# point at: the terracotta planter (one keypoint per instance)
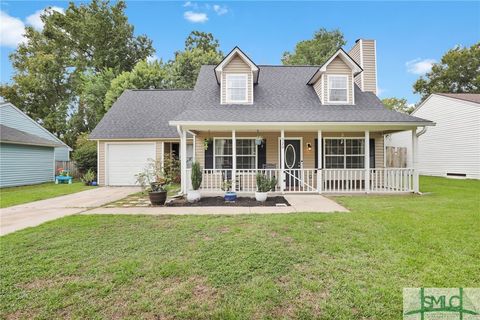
(157, 198)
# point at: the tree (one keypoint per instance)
(398, 104)
(200, 49)
(145, 75)
(317, 50)
(457, 72)
(50, 67)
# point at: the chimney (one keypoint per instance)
(364, 53)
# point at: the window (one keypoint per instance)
(344, 153)
(246, 154)
(236, 87)
(337, 88)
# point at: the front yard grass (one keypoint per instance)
(327, 266)
(24, 194)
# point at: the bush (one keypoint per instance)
(85, 156)
(88, 177)
(196, 176)
(171, 168)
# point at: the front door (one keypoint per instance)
(293, 160)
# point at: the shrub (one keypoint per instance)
(171, 168)
(88, 177)
(196, 175)
(264, 183)
(85, 155)
(153, 177)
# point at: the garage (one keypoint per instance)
(125, 160)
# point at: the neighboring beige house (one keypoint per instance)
(452, 147)
(316, 128)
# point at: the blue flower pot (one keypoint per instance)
(230, 196)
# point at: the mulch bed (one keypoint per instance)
(220, 202)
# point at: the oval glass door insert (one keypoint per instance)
(290, 156)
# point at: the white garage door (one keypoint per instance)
(124, 161)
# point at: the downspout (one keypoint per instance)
(422, 131)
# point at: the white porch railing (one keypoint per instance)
(381, 180)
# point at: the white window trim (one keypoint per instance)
(231, 155)
(227, 97)
(344, 152)
(328, 88)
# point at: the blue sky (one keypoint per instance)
(410, 35)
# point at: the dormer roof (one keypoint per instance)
(345, 58)
(237, 52)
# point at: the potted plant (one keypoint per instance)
(229, 195)
(196, 177)
(206, 142)
(259, 140)
(264, 185)
(153, 180)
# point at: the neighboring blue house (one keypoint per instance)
(27, 150)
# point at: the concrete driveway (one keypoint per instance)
(35, 213)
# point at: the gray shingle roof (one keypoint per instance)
(11, 135)
(142, 114)
(282, 95)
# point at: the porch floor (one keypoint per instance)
(298, 203)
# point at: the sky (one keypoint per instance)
(410, 35)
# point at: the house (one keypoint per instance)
(27, 150)
(315, 128)
(452, 147)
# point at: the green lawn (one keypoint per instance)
(330, 266)
(24, 194)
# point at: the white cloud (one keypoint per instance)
(11, 30)
(419, 66)
(34, 19)
(220, 10)
(195, 17)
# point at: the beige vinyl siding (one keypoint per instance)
(355, 54)
(272, 143)
(338, 67)
(369, 66)
(318, 89)
(101, 163)
(237, 66)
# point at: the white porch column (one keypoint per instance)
(319, 161)
(234, 161)
(367, 161)
(416, 186)
(162, 155)
(194, 148)
(282, 160)
(183, 161)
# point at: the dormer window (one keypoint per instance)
(338, 88)
(237, 88)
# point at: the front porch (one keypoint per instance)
(321, 161)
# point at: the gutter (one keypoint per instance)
(424, 129)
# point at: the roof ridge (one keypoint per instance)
(160, 89)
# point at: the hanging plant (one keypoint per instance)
(259, 140)
(206, 142)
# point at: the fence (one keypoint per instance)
(67, 165)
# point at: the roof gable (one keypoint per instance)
(24, 123)
(352, 64)
(236, 52)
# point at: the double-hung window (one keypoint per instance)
(236, 88)
(338, 88)
(344, 153)
(246, 154)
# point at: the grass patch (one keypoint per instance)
(24, 194)
(332, 266)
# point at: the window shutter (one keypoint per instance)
(372, 153)
(262, 155)
(209, 156)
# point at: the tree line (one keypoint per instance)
(67, 75)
